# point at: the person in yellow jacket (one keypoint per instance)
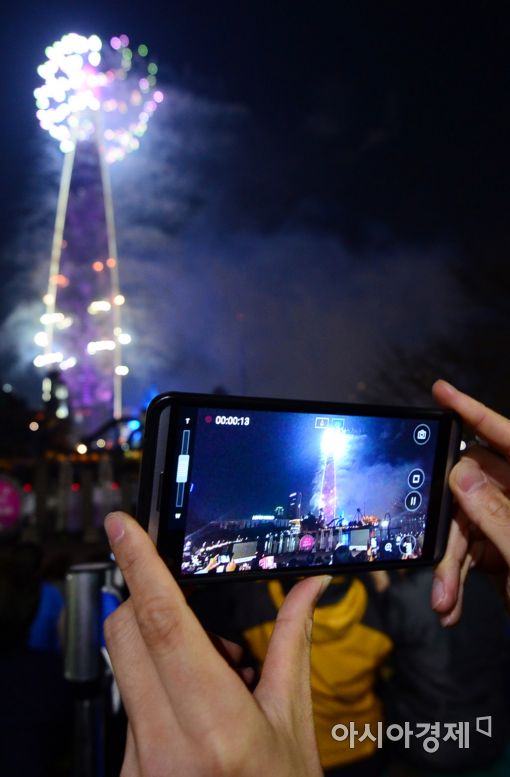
(348, 647)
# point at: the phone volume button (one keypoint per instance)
(160, 488)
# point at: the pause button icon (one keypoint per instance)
(413, 500)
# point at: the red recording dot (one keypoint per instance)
(208, 419)
(75, 486)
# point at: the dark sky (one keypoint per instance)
(419, 93)
(377, 132)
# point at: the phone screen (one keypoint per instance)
(252, 491)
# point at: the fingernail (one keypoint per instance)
(468, 476)
(438, 592)
(114, 528)
(326, 580)
(445, 620)
(448, 386)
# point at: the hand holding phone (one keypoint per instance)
(480, 530)
(175, 684)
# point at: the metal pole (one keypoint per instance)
(82, 665)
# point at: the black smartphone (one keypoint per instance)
(244, 488)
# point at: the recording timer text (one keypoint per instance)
(232, 420)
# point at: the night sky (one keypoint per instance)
(325, 188)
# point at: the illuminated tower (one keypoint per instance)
(328, 493)
(334, 443)
(96, 100)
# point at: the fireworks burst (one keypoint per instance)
(96, 91)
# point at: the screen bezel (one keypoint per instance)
(170, 541)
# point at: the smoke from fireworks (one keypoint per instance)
(227, 283)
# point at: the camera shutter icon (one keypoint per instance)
(421, 434)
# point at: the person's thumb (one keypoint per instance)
(286, 672)
(483, 503)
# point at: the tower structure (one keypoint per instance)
(96, 100)
(334, 444)
(328, 493)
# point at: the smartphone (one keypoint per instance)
(248, 488)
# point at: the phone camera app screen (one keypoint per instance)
(266, 490)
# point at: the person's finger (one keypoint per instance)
(447, 575)
(130, 764)
(142, 692)
(233, 654)
(247, 674)
(193, 674)
(483, 503)
(286, 670)
(231, 651)
(453, 616)
(486, 556)
(488, 424)
(494, 466)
